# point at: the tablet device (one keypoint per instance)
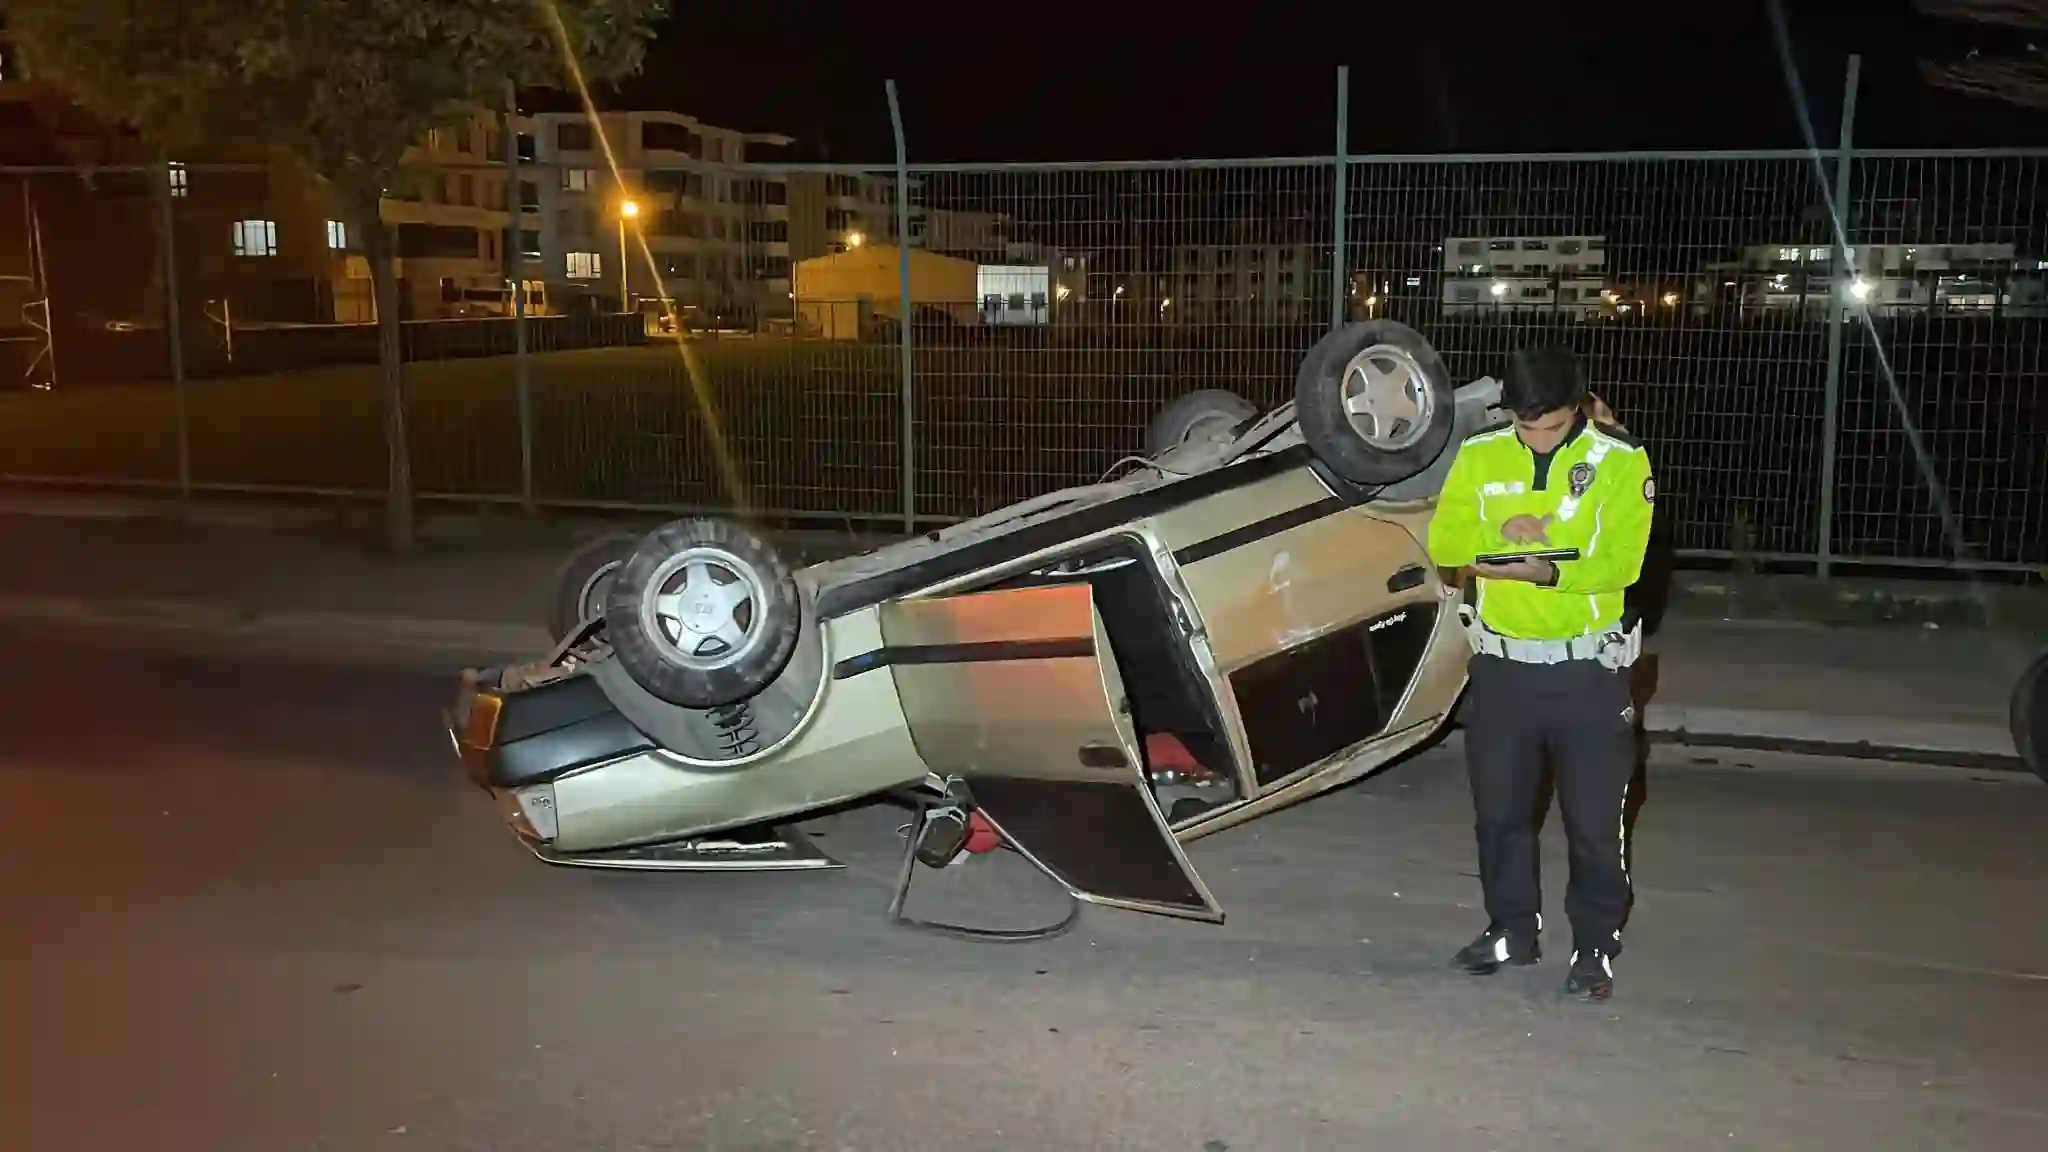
(1539, 554)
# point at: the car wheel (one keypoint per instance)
(1212, 413)
(581, 582)
(1374, 403)
(703, 614)
(2029, 708)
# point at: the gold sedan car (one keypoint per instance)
(1093, 678)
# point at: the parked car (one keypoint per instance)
(1095, 677)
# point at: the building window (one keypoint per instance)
(337, 235)
(529, 243)
(255, 237)
(467, 190)
(433, 139)
(437, 241)
(462, 138)
(526, 152)
(576, 179)
(665, 136)
(181, 179)
(529, 194)
(573, 137)
(585, 265)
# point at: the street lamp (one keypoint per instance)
(855, 239)
(628, 210)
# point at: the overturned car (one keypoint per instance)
(1093, 678)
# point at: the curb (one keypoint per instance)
(1878, 737)
(324, 635)
(465, 643)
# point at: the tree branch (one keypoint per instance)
(2016, 80)
(2000, 13)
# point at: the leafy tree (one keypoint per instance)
(2014, 68)
(343, 86)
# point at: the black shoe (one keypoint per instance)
(1592, 976)
(1495, 947)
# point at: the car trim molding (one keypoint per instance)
(843, 599)
(980, 652)
(1259, 530)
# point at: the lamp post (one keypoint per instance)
(628, 209)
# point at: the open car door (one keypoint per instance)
(1017, 693)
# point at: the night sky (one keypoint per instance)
(1091, 82)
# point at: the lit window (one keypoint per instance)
(181, 180)
(1816, 255)
(1793, 254)
(585, 265)
(337, 235)
(255, 237)
(576, 179)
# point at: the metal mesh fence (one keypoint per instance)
(751, 353)
(1642, 265)
(1101, 295)
(1944, 430)
(82, 264)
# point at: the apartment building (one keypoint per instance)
(1564, 274)
(1886, 279)
(662, 187)
(1225, 283)
(834, 212)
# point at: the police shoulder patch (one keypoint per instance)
(1617, 433)
(1649, 489)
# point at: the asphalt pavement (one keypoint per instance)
(252, 904)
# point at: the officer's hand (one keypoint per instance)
(1531, 570)
(1527, 529)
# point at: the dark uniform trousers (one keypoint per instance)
(1577, 716)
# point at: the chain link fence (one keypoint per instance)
(740, 337)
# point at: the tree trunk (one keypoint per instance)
(390, 368)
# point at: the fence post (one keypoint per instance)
(1339, 297)
(1832, 396)
(175, 330)
(903, 302)
(515, 256)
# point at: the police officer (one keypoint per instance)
(1552, 647)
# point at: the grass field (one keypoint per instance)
(1733, 420)
(809, 426)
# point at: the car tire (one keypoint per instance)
(703, 614)
(1211, 412)
(1408, 406)
(579, 587)
(2029, 714)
